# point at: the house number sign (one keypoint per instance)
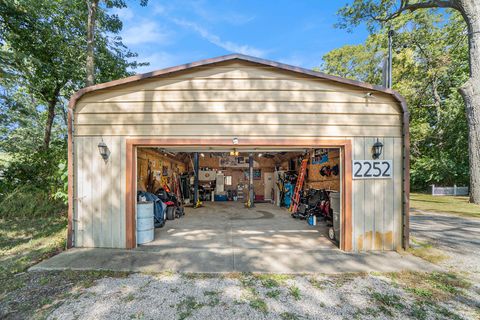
(372, 169)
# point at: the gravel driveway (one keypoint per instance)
(454, 294)
(247, 296)
(458, 237)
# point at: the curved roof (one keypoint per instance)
(231, 57)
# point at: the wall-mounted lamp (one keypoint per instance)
(377, 149)
(103, 149)
(368, 95)
(234, 152)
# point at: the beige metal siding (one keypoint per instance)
(99, 217)
(238, 130)
(235, 99)
(197, 107)
(377, 204)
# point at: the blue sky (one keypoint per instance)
(168, 33)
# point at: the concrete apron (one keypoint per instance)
(225, 237)
(236, 260)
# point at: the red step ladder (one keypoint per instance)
(299, 186)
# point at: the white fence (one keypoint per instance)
(449, 191)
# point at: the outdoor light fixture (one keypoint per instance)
(235, 140)
(377, 149)
(103, 149)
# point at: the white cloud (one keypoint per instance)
(145, 32)
(216, 40)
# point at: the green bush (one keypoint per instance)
(27, 201)
(62, 191)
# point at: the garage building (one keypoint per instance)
(236, 127)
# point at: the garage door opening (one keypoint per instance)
(251, 198)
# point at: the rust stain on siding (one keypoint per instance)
(379, 241)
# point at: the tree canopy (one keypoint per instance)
(378, 13)
(43, 53)
(430, 64)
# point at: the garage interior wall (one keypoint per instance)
(238, 175)
(233, 99)
(158, 163)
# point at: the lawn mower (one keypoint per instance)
(174, 206)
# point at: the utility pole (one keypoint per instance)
(391, 33)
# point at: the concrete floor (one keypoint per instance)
(229, 225)
(226, 237)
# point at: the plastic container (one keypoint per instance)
(334, 232)
(221, 197)
(145, 226)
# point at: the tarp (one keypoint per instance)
(158, 207)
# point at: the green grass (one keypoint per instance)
(289, 316)
(213, 297)
(388, 300)
(426, 251)
(274, 294)
(433, 286)
(444, 204)
(187, 306)
(24, 242)
(259, 304)
(294, 291)
(29, 203)
(270, 281)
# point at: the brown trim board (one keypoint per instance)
(70, 156)
(345, 145)
(240, 57)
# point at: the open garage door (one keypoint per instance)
(240, 198)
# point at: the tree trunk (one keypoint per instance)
(471, 95)
(91, 21)
(48, 126)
